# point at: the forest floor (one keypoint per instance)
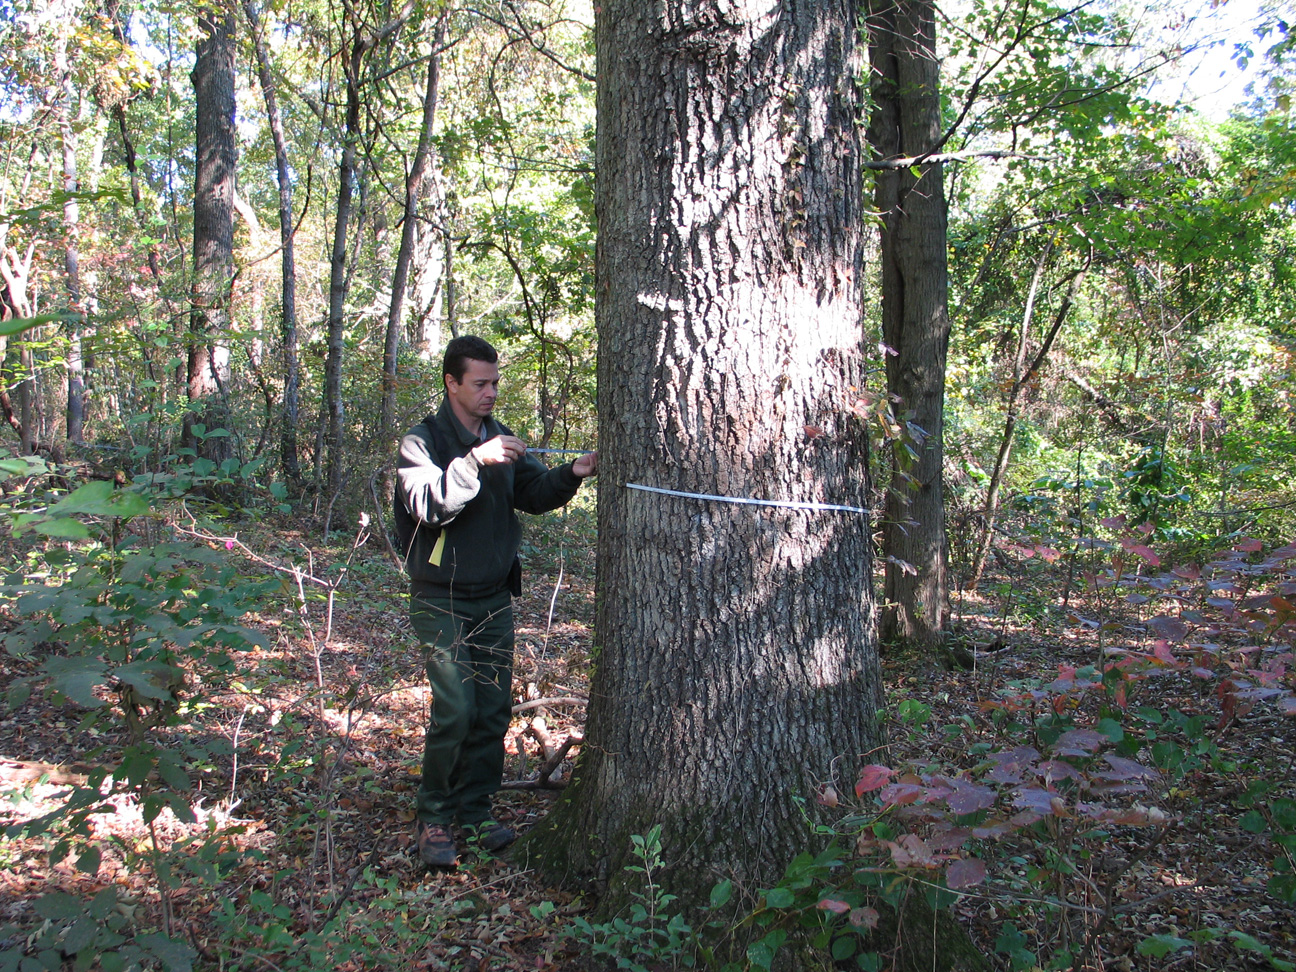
(326, 726)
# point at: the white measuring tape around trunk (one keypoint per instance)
(744, 501)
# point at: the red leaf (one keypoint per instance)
(965, 873)
(902, 794)
(1142, 550)
(872, 777)
(1164, 655)
(1250, 546)
(1171, 629)
(970, 797)
(1056, 769)
(1127, 769)
(1114, 522)
(833, 905)
(1033, 798)
(1079, 742)
(994, 828)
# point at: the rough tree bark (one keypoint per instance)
(288, 454)
(905, 123)
(737, 664)
(213, 217)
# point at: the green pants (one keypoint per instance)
(468, 652)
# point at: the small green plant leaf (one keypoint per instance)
(88, 863)
(1159, 946)
(779, 898)
(721, 893)
(1253, 822)
(151, 679)
(174, 956)
(58, 906)
(1111, 729)
(1247, 942)
(62, 528)
(76, 678)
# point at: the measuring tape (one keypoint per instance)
(711, 497)
(744, 501)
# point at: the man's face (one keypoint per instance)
(474, 398)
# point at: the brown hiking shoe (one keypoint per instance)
(436, 846)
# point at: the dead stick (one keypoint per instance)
(556, 700)
(547, 768)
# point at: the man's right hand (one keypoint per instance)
(499, 449)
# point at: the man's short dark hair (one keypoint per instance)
(461, 349)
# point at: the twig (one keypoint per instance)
(350, 886)
(913, 160)
(554, 700)
(547, 768)
(234, 768)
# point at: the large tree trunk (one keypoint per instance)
(288, 453)
(213, 251)
(737, 666)
(905, 123)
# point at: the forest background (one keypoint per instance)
(1119, 371)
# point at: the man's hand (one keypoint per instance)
(499, 450)
(586, 465)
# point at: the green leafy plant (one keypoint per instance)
(651, 936)
(118, 629)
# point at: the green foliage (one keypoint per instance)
(94, 933)
(651, 936)
(118, 629)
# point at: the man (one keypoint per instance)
(460, 476)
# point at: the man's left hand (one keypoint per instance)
(586, 465)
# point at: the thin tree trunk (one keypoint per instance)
(991, 511)
(409, 232)
(1010, 421)
(905, 123)
(16, 270)
(362, 44)
(76, 390)
(334, 406)
(288, 450)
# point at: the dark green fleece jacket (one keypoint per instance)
(472, 504)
